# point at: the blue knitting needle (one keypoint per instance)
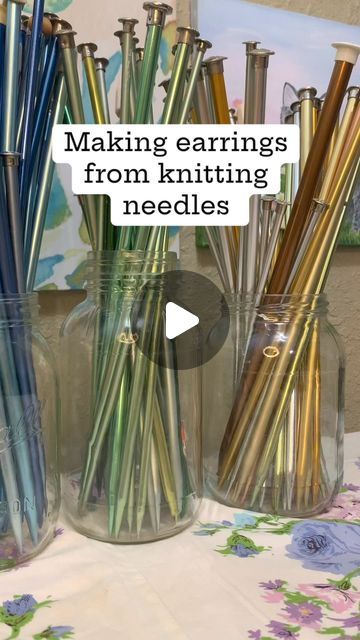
(30, 97)
(42, 107)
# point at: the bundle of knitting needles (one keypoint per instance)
(32, 100)
(135, 468)
(272, 445)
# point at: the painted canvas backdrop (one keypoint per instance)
(303, 57)
(65, 244)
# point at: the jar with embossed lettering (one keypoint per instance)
(29, 479)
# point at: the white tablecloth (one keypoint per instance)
(230, 576)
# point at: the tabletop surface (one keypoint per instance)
(231, 576)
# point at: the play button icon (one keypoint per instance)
(178, 320)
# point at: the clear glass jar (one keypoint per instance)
(29, 476)
(131, 440)
(274, 408)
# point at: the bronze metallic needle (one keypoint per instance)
(313, 269)
(306, 427)
(316, 444)
(343, 130)
(215, 71)
(334, 97)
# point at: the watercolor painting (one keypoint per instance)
(65, 242)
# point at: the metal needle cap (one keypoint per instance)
(128, 24)
(319, 206)
(215, 65)
(295, 107)
(203, 45)
(267, 203)
(280, 206)
(322, 100)
(307, 93)
(261, 57)
(187, 35)
(353, 92)
(119, 34)
(62, 28)
(66, 39)
(187, 293)
(60, 25)
(101, 63)
(51, 16)
(251, 45)
(87, 49)
(233, 116)
(157, 12)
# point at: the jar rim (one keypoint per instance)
(311, 303)
(125, 266)
(132, 256)
(272, 297)
(30, 298)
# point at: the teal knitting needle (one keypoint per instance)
(157, 12)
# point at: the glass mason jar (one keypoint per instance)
(29, 477)
(131, 441)
(274, 408)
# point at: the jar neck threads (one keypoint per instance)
(125, 271)
(279, 307)
(18, 308)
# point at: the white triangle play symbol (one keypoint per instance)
(178, 320)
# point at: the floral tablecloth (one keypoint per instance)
(232, 576)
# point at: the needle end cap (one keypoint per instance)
(87, 49)
(346, 51)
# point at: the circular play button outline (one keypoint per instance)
(190, 295)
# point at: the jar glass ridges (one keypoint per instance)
(131, 463)
(29, 479)
(274, 408)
